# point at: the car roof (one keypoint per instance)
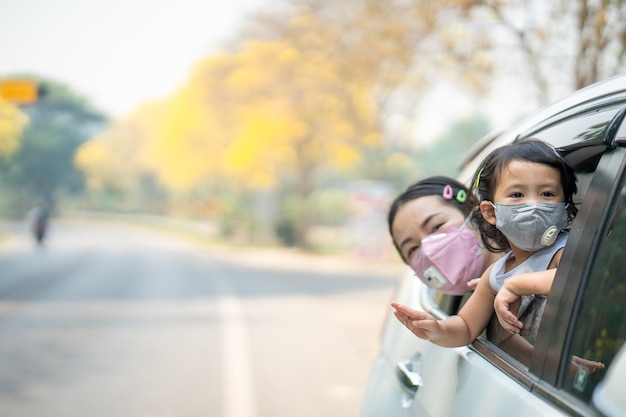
(609, 94)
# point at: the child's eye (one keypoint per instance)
(516, 195)
(547, 194)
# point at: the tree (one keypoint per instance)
(12, 123)
(43, 165)
(269, 116)
(305, 93)
(569, 43)
(442, 157)
(116, 162)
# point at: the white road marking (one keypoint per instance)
(239, 392)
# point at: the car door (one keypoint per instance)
(467, 381)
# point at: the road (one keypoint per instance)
(113, 320)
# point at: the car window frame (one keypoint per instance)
(554, 341)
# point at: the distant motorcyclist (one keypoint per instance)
(39, 222)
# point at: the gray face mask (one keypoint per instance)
(531, 226)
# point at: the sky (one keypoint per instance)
(116, 53)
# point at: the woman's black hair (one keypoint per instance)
(450, 190)
(487, 175)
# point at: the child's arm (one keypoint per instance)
(507, 301)
(457, 330)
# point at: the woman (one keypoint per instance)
(429, 227)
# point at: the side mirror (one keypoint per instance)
(608, 397)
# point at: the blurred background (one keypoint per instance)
(258, 124)
(275, 120)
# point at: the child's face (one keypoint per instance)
(525, 182)
(418, 218)
(529, 182)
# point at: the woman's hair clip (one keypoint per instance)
(448, 194)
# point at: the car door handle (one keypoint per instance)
(409, 373)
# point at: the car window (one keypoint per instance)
(589, 128)
(600, 330)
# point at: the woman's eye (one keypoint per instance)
(411, 251)
(436, 227)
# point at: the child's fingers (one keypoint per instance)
(508, 320)
(404, 319)
(509, 327)
(407, 311)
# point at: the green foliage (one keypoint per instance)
(443, 156)
(59, 122)
(329, 207)
(289, 217)
(402, 165)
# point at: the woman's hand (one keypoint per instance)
(473, 283)
(506, 305)
(423, 325)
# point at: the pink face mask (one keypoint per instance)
(448, 259)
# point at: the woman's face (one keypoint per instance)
(419, 218)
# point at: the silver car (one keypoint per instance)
(586, 311)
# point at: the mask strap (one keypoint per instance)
(468, 220)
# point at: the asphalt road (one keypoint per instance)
(111, 320)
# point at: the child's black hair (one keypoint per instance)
(489, 171)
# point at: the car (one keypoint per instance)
(585, 314)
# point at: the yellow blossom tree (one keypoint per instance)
(12, 123)
(117, 159)
(269, 116)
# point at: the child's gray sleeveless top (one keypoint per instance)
(532, 306)
(538, 261)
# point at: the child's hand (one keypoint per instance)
(423, 325)
(579, 366)
(506, 305)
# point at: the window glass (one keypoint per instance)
(589, 128)
(449, 304)
(601, 327)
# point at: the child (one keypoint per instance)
(526, 190)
